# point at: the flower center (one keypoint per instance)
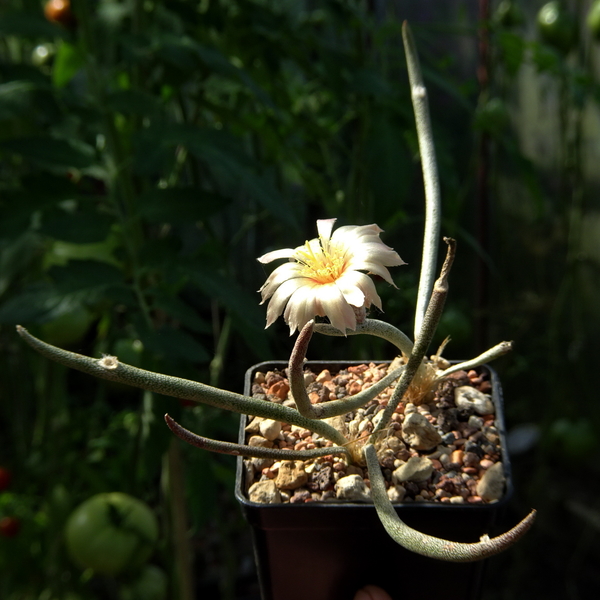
(322, 265)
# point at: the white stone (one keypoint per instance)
(419, 433)
(352, 487)
(466, 396)
(377, 417)
(254, 425)
(491, 485)
(416, 468)
(264, 492)
(270, 429)
(396, 493)
(457, 500)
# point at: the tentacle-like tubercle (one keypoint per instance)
(428, 545)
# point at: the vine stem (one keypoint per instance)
(433, 217)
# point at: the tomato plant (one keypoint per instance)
(111, 533)
(9, 526)
(5, 478)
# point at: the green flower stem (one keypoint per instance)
(428, 328)
(372, 327)
(333, 408)
(110, 368)
(241, 450)
(487, 356)
(430, 176)
(428, 545)
(296, 374)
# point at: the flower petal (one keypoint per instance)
(324, 227)
(300, 308)
(356, 232)
(350, 290)
(377, 252)
(281, 296)
(364, 283)
(374, 268)
(275, 254)
(282, 273)
(340, 313)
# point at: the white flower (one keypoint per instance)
(324, 276)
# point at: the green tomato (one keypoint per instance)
(68, 328)
(492, 116)
(508, 14)
(111, 533)
(557, 26)
(593, 19)
(129, 351)
(151, 584)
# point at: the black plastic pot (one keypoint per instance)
(328, 551)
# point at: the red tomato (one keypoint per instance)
(5, 478)
(59, 11)
(9, 526)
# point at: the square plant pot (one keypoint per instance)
(329, 550)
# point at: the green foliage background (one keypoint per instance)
(149, 154)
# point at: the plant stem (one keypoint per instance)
(487, 356)
(428, 328)
(430, 176)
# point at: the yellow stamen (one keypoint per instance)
(322, 265)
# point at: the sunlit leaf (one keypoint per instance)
(69, 60)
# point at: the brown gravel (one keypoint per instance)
(469, 446)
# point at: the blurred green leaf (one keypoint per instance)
(15, 98)
(249, 318)
(513, 48)
(50, 152)
(180, 206)
(37, 303)
(233, 167)
(69, 60)
(133, 102)
(370, 82)
(28, 24)
(78, 227)
(174, 344)
(387, 160)
(81, 275)
(177, 309)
